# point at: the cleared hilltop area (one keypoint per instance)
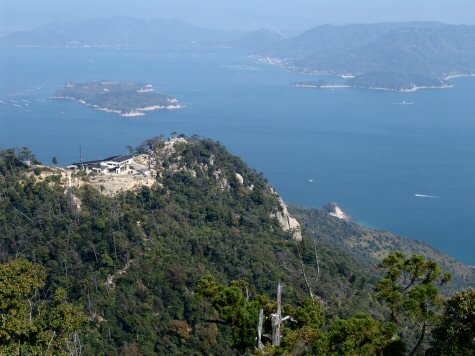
(152, 161)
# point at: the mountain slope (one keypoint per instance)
(331, 39)
(258, 40)
(432, 51)
(134, 259)
(373, 245)
(423, 53)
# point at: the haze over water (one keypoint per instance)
(363, 149)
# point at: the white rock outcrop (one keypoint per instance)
(286, 221)
(334, 210)
(240, 178)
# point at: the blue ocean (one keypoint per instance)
(403, 162)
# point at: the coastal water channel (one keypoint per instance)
(403, 162)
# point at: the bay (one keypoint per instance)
(363, 149)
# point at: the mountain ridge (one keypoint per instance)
(117, 31)
(134, 259)
(377, 54)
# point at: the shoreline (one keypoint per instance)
(285, 63)
(454, 76)
(325, 86)
(342, 86)
(409, 90)
(134, 113)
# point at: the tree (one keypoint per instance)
(30, 324)
(25, 154)
(234, 309)
(130, 149)
(19, 281)
(409, 290)
(361, 335)
(303, 334)
(456, 333)
(237, 310)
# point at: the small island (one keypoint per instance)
(125, 99)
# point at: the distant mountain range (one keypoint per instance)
(118, 31)
(257, 40)
(398, 56)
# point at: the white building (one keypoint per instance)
(114, 164)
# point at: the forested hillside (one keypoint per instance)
(393, 56)
(373, 245)
(152, 268)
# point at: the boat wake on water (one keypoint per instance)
(426, 196)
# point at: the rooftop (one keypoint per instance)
(116, 159)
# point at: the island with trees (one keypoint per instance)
(123, 98)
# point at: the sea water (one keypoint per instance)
(404, 162)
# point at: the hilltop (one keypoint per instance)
(134, 257)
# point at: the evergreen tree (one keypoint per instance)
(455, 334)
(30, 321)
(410, 290)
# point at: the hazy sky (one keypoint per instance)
(238, 14)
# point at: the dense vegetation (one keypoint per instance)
(390, 80)
(374, 245)
(118, 97)
(396, 80)
(153, 269)
(35, 321)
(395, 56)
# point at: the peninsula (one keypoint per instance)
(125, 99)
(392, 81)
